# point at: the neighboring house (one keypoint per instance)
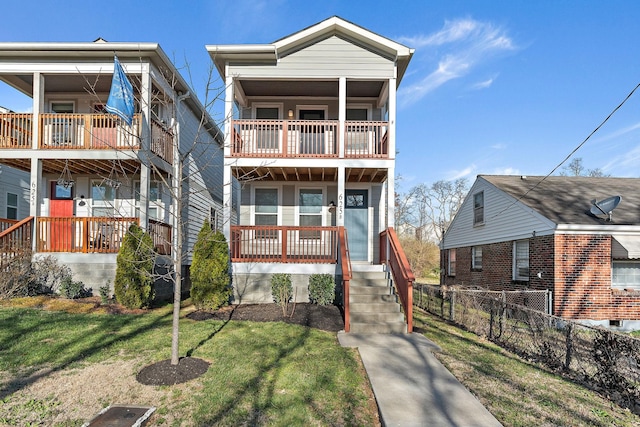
(89, 174)
(312, 140)
(518, 232)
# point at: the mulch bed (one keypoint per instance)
(326, 318)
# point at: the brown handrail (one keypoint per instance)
(284, 244)
(403, 276)
(15, 239)
(345, 263)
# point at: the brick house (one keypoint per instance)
(518, 232)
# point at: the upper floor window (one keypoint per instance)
(521, 260)
(451, 263)
(476, 258)
(478, 208)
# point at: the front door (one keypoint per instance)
(61, 212)
(312, 139)
(356, 221)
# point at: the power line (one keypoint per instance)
(572, 152)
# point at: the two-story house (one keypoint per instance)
(91, 174)
(311, 138)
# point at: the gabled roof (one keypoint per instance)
(334, 25)
(567, 199)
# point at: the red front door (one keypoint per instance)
(61, 212)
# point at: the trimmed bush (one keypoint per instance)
(133, 286)
(281, 290)
(209, 271)
(322, 289)
(72, 289)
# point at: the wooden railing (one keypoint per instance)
(161, 235)
(6, 223)
(403, 277)
(15, 239)
(366, 139)
(284, 244)
(88, 131)
(308, 139)
(161, 141)
(345, 264)
(15, 130)
(81, 234)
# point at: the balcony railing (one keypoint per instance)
(15, 131)
(15, 239)
(161, 141)
(161, 235)
(88, 131)
(284, 244)
(308, 139)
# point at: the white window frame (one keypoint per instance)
(478, 211)
(451, 266)
(627, 285)
(516, 268)
(108, 204)
(476, 257)
(361, 107)
(153, 204)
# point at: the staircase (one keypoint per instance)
(373, 306)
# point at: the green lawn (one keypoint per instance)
(516, 392)
(260, 374)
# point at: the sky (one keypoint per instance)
(494, 87)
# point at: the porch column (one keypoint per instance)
(38, 108)
(145, 144)
(34, 195)
(227, 187)
(341, 197)
(391, 197)
(342, 115)
(392, 118)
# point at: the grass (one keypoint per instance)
(516, 392)
(261, 373)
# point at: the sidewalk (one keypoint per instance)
(411, 386)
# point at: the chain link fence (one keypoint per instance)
(601, 359)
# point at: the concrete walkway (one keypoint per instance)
(411, 386)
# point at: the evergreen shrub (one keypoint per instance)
(133, 286)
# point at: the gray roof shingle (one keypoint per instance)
(567, 199)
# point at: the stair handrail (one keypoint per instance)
(403, 276)
(345, 265)
(15, 238)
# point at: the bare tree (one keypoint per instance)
(576, 168)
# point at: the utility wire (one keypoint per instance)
(572, 152)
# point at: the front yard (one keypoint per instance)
(60, 369)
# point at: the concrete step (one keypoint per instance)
(379, 328)
(390, 317)
(369, 290)
(375, 307)
(371, 282)
(371, 298)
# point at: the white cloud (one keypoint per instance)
(483, 84)
(460, 45)
(625, 164)
(464, 173)
(499, 146)
(505, 171)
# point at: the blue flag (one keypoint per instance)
(120, 100)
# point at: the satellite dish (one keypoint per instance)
(605, 207)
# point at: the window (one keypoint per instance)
(60, 192)
(476, 258)
(478, 208)
(451, 267)
(215, 219)
(310, 212)
(102, 197)
(12, 206)
(521, 260)
(266, 211)
(358, 114)
(626, 275)
(155, 198)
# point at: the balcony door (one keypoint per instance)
(267, 133)
(312, 136)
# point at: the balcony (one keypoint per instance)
(94, 234)
(309, 139)
(82, 132)
(282, 244)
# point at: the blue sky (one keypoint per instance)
(494, 87)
